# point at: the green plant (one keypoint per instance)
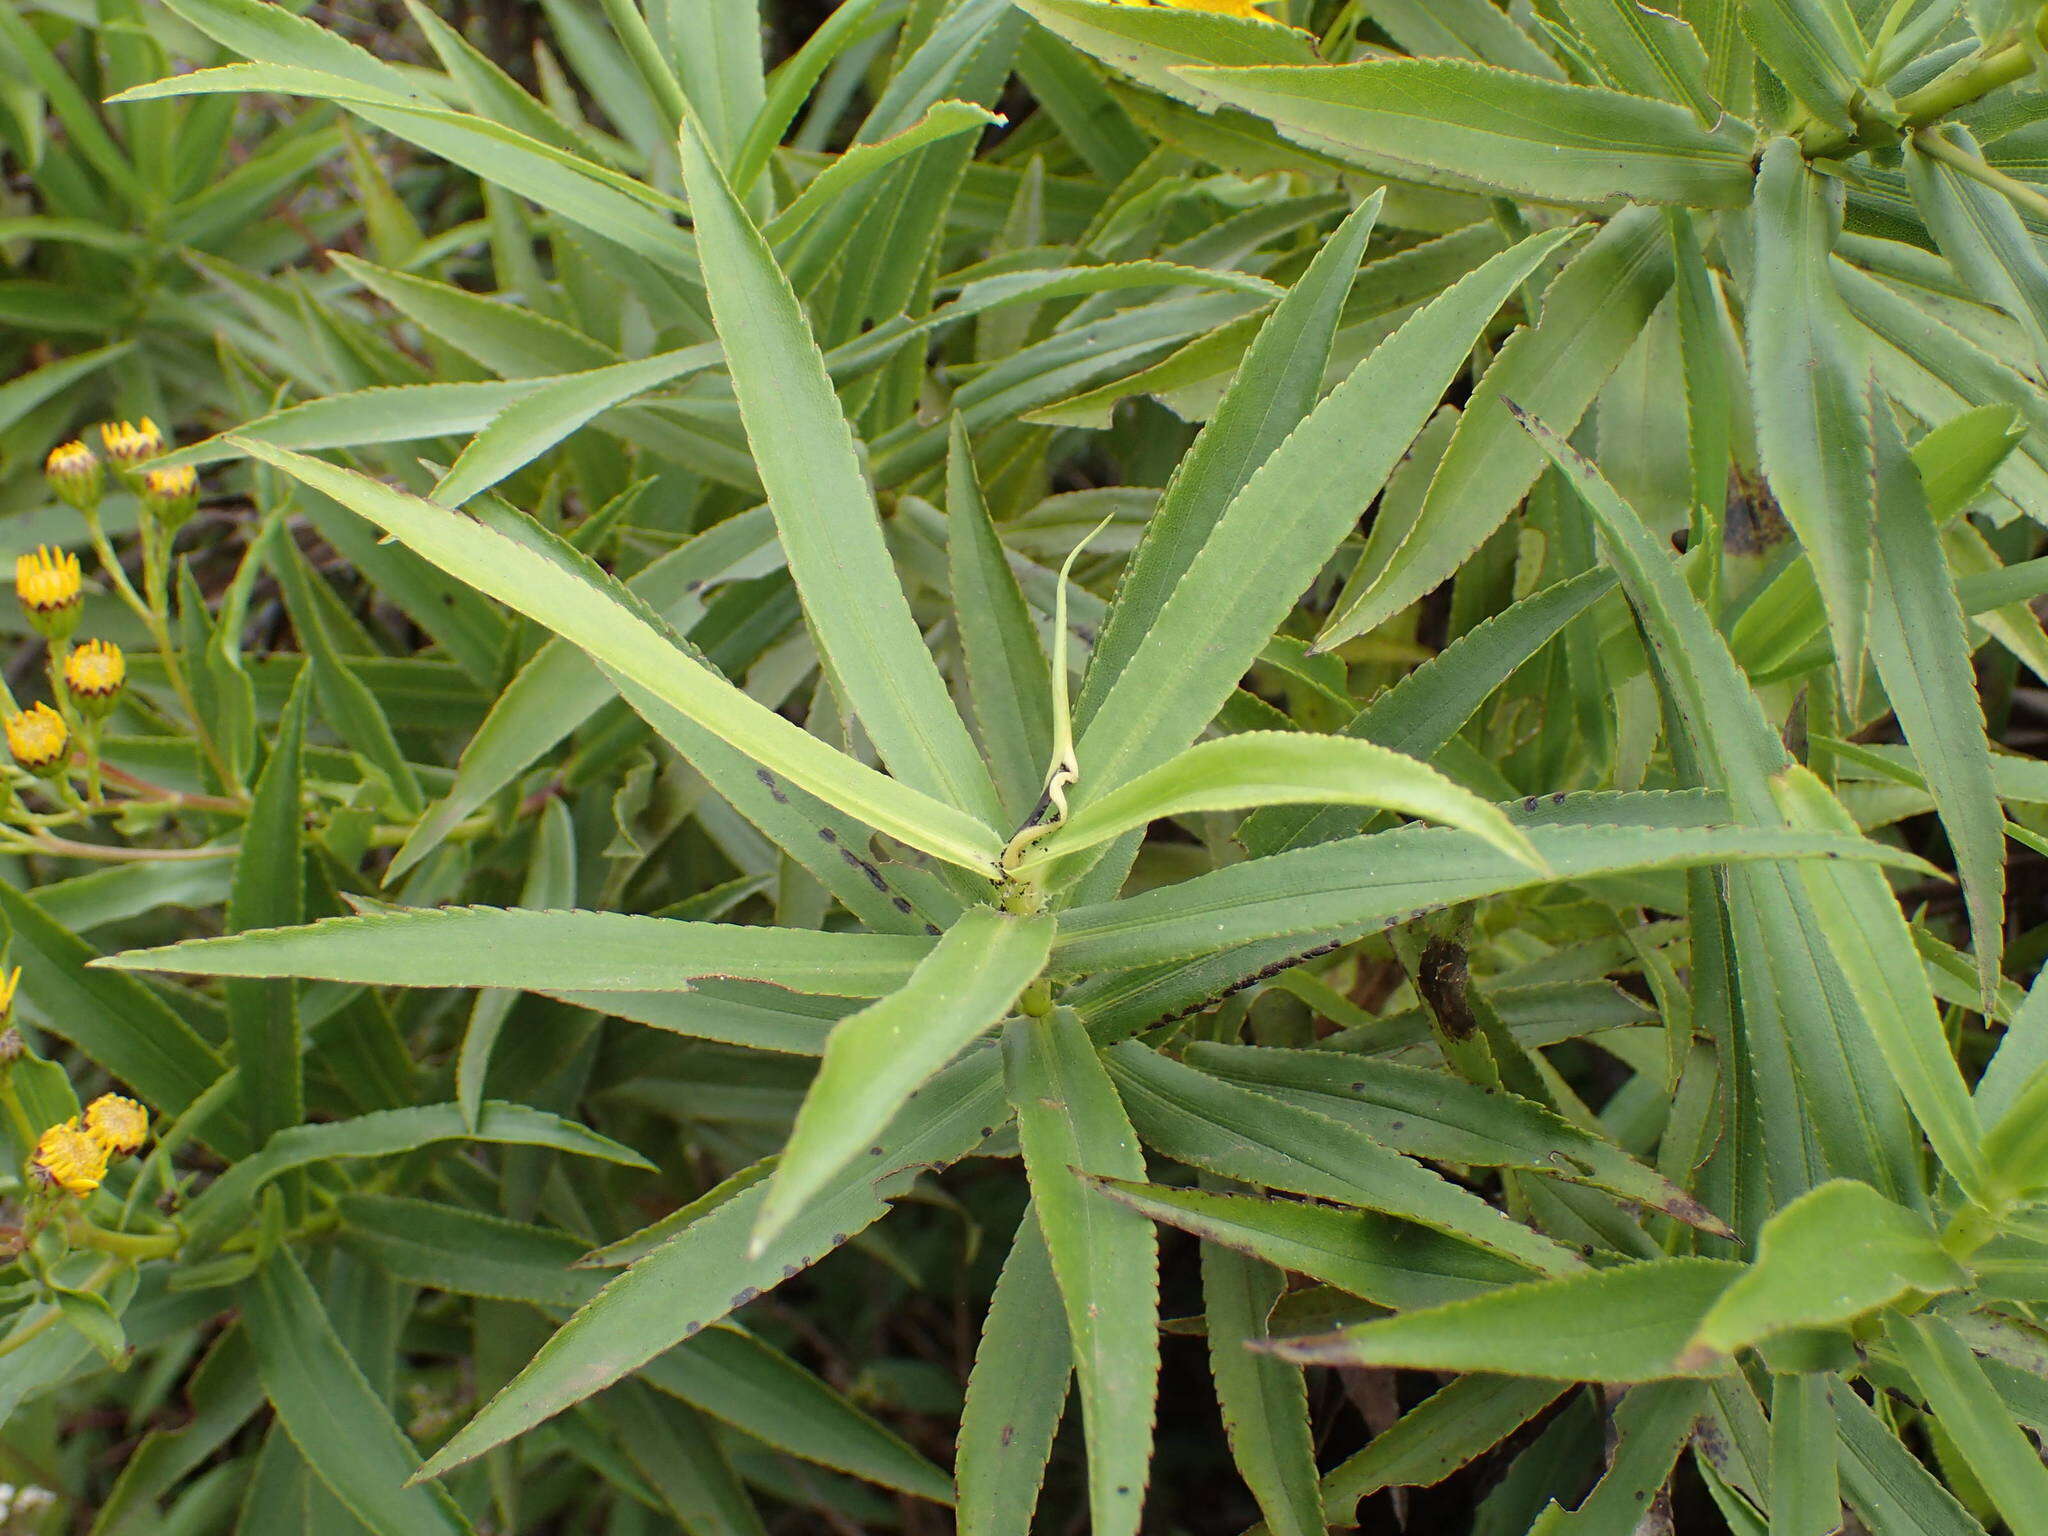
(1138, 633)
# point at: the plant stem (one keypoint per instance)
(1935, 147)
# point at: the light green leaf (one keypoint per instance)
(705, 1269)
(1393, 1263)
(1422, 1113)
(824, 509)
(1922, 651)
(542, 951)
(1280, 529)
(1105, 1257)
(269, 891)
(1981, 234)
(1256, 1138)
(1592, 314)
(1475, 128)
(1835, 1253)
(1645, 52)
(1009, 680)
(1150, 43)
(1015, 1394)
(539, 420)
(1283, 768)
(877, 1058)
(386, 1133)
(1978, 1425)
(1339, 890)
(331, 1412)
(1630, 1323)
(1810, 389)
(1275, 386)
(617, 638)
(1264, 1401)
(1813, 46)
(1870, 938)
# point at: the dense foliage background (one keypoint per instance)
(1341, 693)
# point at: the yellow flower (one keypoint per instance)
(70, 1158)
(38, 738)
(9, 983)
(172, 494)
(75, 474)
(51, 590)
(94, 673)
(120, 1125)
(128, 444)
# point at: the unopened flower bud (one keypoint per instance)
(95, 673)
(129, 445)
(171, 495)
(76, 475)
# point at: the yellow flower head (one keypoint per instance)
(1240, 8)
(128, 444)
(94, 673)
(70, 1158)
(47, 580)
(172, 494)
(9, 983)
(37, 737)
(120, 1125)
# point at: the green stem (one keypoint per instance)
(1935, 147)
(1954, 88)
(131, 1246)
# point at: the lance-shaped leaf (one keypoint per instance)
(1016, 1393)
(1339, 890)
(621, 640)
(877, 1058)
(1645, 51)
(1275, 386)
(1009, 679)
(386, 1133)
(1279, 531)
(1593, 313)
(1810, 390)
(332, 1413)
(1814, 47)
(1264, 1400)
(1150, 43)
(1980, 232)
(1922, 650)
(1631, 1323)
(532, 425)
(1283, 768)
(1979, 1426)
(543, 951)
(270, 891)
(1195, 1118)
(1453, 123)
(1871, 940)
(1424, 1114)
(1394, 1263)
(1105, 1256)
(1835, 1253)
(824, 510)
(706, 1269)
